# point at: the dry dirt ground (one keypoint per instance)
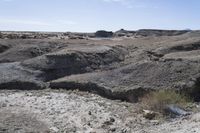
(80, 112)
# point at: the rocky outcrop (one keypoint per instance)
(75, 61)
(103, 33)
(77, 81)
(1, 36)
(122, 33)
(3, 48)
(14, 76)
(139, 77)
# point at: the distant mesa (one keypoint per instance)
(122, 33)
(156, 32)
(149, 32)
(103, 33)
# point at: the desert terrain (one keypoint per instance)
(93, 82)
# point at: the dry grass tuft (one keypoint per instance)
(158, 100)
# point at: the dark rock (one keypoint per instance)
(123, 32)
(3, 48)
(103, 33)
(14, 76)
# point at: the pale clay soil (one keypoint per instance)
(80, 112)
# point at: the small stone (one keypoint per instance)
(113, 129)
(155, 122)
(109, 122)
(112, 119)
(124, 130)
(49, 97)
(55, 129)
(89, 113)
(149, 114)
(89, 124)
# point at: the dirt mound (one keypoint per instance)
(132, 81)
(19, 50)
(75, 60)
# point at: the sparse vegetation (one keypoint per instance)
(158, 100)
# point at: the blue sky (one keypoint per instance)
(92, 15)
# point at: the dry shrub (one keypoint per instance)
(158, 100)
